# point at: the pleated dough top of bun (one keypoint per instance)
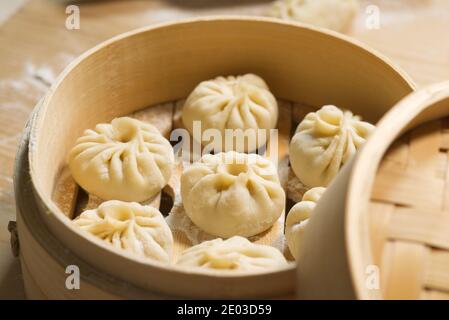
(324, 141)
(232, 193)
(140, 230)
(298, 217)
(125, 160)
(242, 102)
(331, 14)
(233, 254)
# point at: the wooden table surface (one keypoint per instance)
(35, 46)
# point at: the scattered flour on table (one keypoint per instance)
(32, 85)
(35, 79)
(20, 94)
(40, 75)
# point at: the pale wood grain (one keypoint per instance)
(405, 266)
(380, 215)
(419, 225)
(424, 148)
(396, 186)
(437, 275)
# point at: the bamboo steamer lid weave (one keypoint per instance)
(381, 231)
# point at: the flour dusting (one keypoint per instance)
(40, 75)
(18, 95)
(34, 80)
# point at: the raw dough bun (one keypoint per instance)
(242, 102)
(125, 160)
(234, 254)
(298, 217)
(331, 14)
(324, 141)
(140, 230)
(232, 193)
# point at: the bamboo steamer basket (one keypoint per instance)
(388, 211)
(155, 66)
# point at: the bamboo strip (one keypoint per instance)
(406, 263)
(408, 188)
(420, 225)
(380, 215)
(398, 153)
(437, 276)
(425, 142)
(441, 166)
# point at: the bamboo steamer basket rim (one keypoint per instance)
(51, 209)
(408, 113)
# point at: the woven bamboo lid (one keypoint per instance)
(381, 231)
(409, 211)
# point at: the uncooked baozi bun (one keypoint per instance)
(324, 141)
(242, 102)
(233, 254)
(125, 160)
(140, 230)
(298, 217)
(331, 14)
(232, 193)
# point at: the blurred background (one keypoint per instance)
(38, 38)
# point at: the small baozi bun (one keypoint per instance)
(298, 217)
(233, 254)
(242, 102)
(140, 230)
(232, 193)
(323, 142)
(126, 160)
(331, 14)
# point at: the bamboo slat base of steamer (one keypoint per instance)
(409, 215)
(72, 200)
